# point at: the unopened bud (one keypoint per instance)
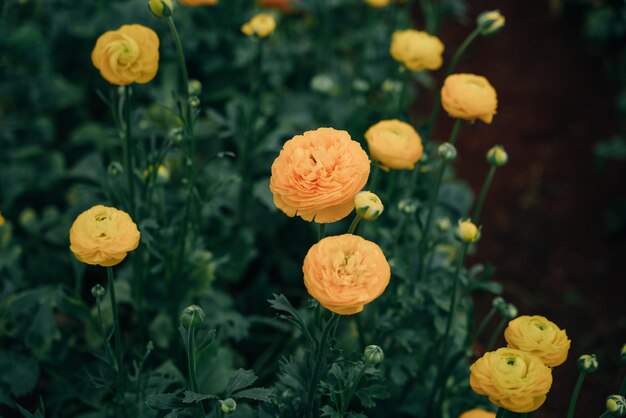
(510, 311)
(194, 101)
(468, 231)
(616, 405)
(368, 206)
(447, 151)
(228, 406)
(587, 363)
(490, 22)
(192, 316)
(443, 224)
(160, 8)
(373, 354)
(408, 206)
(497, 156)
(98, 291)
(195, 87)
(115, 169)
(498, 303)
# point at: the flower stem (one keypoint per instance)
(127, 149)
(354, 223)
(319, 357)
(432, 200)
(430, 125)
(184, 77)
(483, 194)
(191, 362)
(496, 333)
(607, 414)
(321, 231)
(500, 413)
(105, 341)
(575, 393)
(116, 327)
(482, 326)
(350, 393)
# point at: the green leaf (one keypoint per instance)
(257, 394)
(19, 373)
(165, 401)
(193, 397)
(240, 379)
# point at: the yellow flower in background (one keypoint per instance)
(2, 220)
(512, 379)
(468, 231)
(416, 50)
(194, 3)
(103, 236)
(378, 3)
(368, 206)
(345, 272)
(127, 55)
(478, 413)
(157, 8)
(394, 144)
(537, 335)
(261, 25)
(469, 97)
(317, 174)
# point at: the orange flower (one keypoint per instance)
(284, 6)
(345, 272)
(103, 236)
(469, 97)
(477, 413)
(394, 144)
(317, 175)
(194, 3)
(537, 335)
(127, 55)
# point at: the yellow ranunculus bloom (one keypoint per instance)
(103, 236)
(379, 4)
(394, 144)
(127, 55)
(416, 50)
(345, 272)
(537, 335)
(194, 3)
(512, 379)
(478, 413)
(469, 97)
(261, 25)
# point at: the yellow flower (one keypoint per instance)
(379, 4)
(2, 220)
(317, 174)
(345, 272)
(477, 413)
(468, 231)
(537, 335)
(497, 156)
(490, 22)
(469, 97)
(261, 25)
(162, 173)
(416, 50)
(103, 236)
(127, 55)
(394, 144)
(157, 8)
(368, 206)
(194, 3)
(512, 379)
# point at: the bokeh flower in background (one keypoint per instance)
(469, 97)
(394, 144)
(417, 50)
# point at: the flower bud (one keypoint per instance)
(587, 363)
(510, 311)
(373, 354)
(408, 206)
(623, 353)
(98, 291)
(499, 303)
(616, 405)
(360, 85)
(150, 346)
(194, 101)
(324, 84)
(368, 206)
(160, 8)
(228, 406)
(162, 174)
(443, 224)
(447, 151)
(195, 87)
(468, 231)
(497, 156)
(261, 25)
(490, 22)
(28, 217)
(192, 316)
(115, 169)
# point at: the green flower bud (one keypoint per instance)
(228, 406)
(468, 231)
(192, 316)
(510, 311)
(499, 303)
(623, 353)
(115, 169)
(497, 156)
(98, 291)
(195, 87)
(616, 405)
(360, 85)
(447, 151)
(443, 224)
(490, 22)
(373, 354)
(28, 217)
(587, 363)
(408, 206)
(150, 346)
(368, 206)
(194, 101)
(160, 8)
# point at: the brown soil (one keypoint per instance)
(543, 223)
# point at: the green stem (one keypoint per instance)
(622, 388)
(105, 341)
(116, 326)
(184, 77)
(483, 194)
(482, 326)
(404, 81)
(191, 361)
(374, 179)
(575, 393)
(127, 149)
(432, 200)
(496, 333)
(354, 223)
(607, 414)
(319, 357)
(321, 230)
(346, 402)
(500, 413)
(430, 125)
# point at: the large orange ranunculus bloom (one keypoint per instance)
(469, 97)
(194, 3)
(416, 50)
(512, 379)
(345, 272)
(537, 335)
(317, 174)
(478, 413)
(103, 236)
(394, 144)
(127, 55)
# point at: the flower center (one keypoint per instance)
(347, 268)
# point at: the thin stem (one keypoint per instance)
(191, 361)
(482, 326)
(354, 223)
(575, 393)
(622, 388)
(404, 83)
(319, 357)
(483, 194)
(500, 413)
(496, 333)
(607, 414)
(116, 327)
(105, 341)
(321, 231)
(352, 389)
(184, 77)
(374, 179)
(127, 149)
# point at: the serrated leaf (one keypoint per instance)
(19, 373)
(165, 401)
(193, 397)
(256, 394)
(238, 380)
